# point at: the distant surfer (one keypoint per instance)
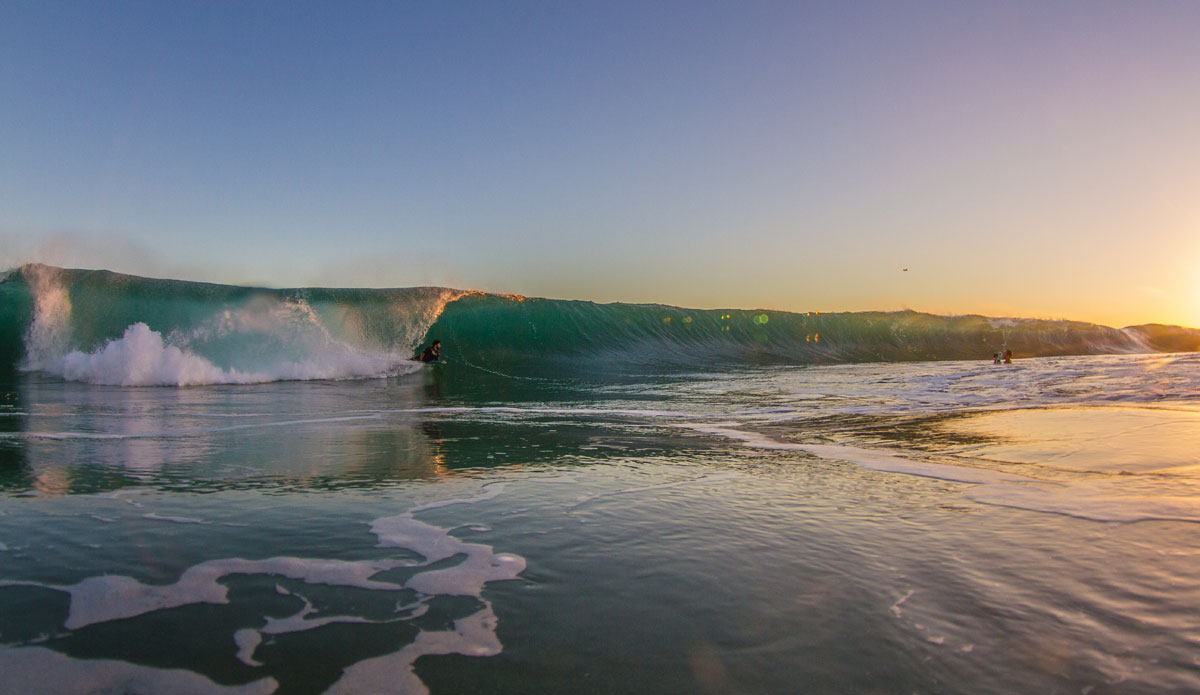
(430, 354)
(1008, 357)
(995, 358)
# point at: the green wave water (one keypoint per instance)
(104, 327)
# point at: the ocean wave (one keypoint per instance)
(107, 328)
(104, 328)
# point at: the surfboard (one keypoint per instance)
(435, 362)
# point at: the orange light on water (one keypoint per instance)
(483, 293)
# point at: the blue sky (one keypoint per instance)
(1038, 159)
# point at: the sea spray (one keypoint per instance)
(50, 331)
(139, 358)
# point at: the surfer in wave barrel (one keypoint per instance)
(430, 354)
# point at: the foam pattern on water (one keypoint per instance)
(105, 598)
(36, 670)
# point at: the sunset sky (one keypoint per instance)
(1018, 158)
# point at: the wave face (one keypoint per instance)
(108, 328)
(495, 331)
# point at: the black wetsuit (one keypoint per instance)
(430, 354)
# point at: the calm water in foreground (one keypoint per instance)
(941, 527)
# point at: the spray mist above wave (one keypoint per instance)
(216, 334)
(49, 332)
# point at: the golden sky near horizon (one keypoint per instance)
(1022, 159)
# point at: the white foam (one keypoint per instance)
(433, 543)
(141, 358)
(300, 622)
(247, 640)
(36, 670)
(104, 598)
(474, 635)
(112, 597)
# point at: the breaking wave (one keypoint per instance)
(107, 328)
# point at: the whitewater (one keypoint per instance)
(212, 488)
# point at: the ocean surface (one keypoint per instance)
(207, 488)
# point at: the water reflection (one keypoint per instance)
(70, 438)
(15, 472)
(67, 438)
